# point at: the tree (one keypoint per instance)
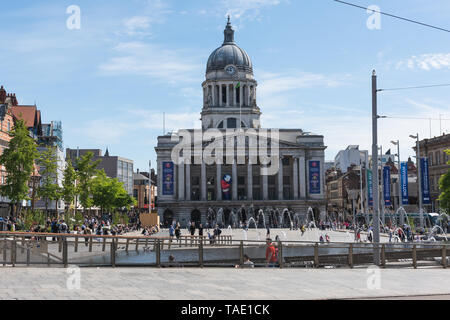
(109, 193)
(69, 189)
(444, 186)
(49, 189)
(86, 170)
(18, 160)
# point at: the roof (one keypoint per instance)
(27, 113)
(229, 54)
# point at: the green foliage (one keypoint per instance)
(109, 193)
(69, 190)
(49, 189)
(18, 160)
(86, 170)
(118, 218)
(31, 218)
(444, 186)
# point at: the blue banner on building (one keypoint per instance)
(387, 185)
(168, 178)
(370, 187)
(404, 183)
(425, 181)
(314, 177)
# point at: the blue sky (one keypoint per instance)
(110, 82)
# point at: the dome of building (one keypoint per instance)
(229, 54)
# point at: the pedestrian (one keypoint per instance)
(248, 264)
(192, 229)
(200, 231)
(178, 232)
(271, 254)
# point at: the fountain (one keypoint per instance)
(220, 218)
(297, 221)
(234, 219)
(254, 222)
(261, 213)
(288, 213)
(211, 217)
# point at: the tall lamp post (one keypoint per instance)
(376, 213)
(400, 200)
(419, 177)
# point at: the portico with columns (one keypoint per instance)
(188, 184)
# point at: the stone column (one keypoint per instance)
(241, 95)
(234, 181)
(220, 94)
(234, 95)
(280, 178)
(219, 181)
(203, 182)
(214, 94)
(249, 181)
(248, 95)
(188, 182)
(265, 186)
(228, 95)
(302, 170)
(295, 178)
(181, 180)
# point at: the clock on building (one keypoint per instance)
(230, 70)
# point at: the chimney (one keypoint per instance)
(2, 95)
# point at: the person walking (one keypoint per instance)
(200, 231)
(178, 232)
(271, 254)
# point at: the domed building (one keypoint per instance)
(233, 169)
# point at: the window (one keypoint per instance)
(232, 123)
(220, 125)
(9, 126)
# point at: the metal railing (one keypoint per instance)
(28, 249)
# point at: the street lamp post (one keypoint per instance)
(382, 203)
(419, 178)
(376, 213)
(400, 200)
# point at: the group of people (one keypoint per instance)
(149, 231)
(175, 231)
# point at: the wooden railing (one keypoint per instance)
(66, 247)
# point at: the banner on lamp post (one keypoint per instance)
(370, 187)
(387, 185)
(426, 199)
(404, 183)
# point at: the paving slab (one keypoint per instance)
(224, 284)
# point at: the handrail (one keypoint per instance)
(227, 237)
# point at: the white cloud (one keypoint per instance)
(132, 125)
(250, 9)
(278, 83)
(138, 58)
(427, 62)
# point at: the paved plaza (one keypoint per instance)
(221, 284)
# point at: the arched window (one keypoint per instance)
(9, 126)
